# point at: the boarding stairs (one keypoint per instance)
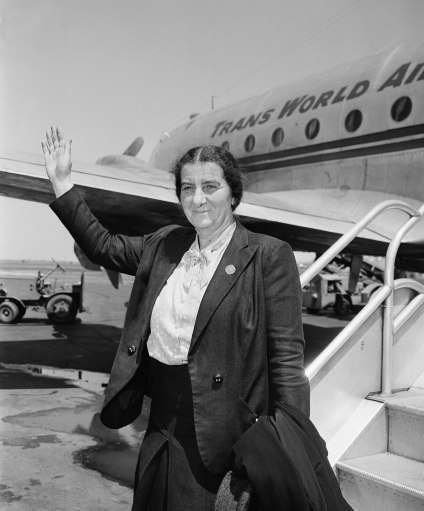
(389, 473)
(367, 386)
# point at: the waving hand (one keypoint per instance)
(57, 158)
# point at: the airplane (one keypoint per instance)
(316, 156)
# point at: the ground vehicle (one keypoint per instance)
(18, 292)
(330, 289)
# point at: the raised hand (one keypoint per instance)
(57, 158)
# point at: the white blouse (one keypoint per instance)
(175, 310)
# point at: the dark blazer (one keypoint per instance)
(246, 352)
(285, 461)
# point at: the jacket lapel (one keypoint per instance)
(233, 262)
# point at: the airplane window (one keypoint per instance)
(249, 143)
(401, 108)
(277, 137)
(353, 120)
(225, 145)
(312, 129)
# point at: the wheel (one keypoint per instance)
(310, 310)
(9, 312)
(21, 313)
(61, 309)
(343, 305)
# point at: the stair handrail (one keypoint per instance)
(350, 235)
(375, 301)
(383, 295)
(389, 277)
(409, 284)
(412, 306)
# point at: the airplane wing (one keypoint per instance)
(135, 198)
(318, 217)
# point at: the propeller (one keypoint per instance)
(114, 276)
(85, 262)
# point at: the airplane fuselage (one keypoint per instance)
(358, 127)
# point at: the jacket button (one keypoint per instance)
(218, 378)
(131, 349)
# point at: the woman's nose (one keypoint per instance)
(199, 196)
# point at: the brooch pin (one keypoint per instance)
(230, 269)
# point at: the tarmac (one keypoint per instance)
(41, 448)
(54, 452)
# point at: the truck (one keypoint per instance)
(61, 301)
(330, 290)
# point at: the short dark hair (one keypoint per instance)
(220, 156)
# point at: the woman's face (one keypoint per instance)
(205, 197)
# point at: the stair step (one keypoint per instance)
(382, 481)
(406, 425)
(411, 400)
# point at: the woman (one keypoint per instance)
(212, 333)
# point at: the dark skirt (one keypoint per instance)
(170, 475)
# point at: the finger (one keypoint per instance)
(68, 146)
(49, 141)
(54, 139)
(59, 135)
(45, 150)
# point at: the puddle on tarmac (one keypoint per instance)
(116, 459)
(113, 461)
(8, 496)
(115, 455)
(31, 442)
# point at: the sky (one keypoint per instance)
(108, 71)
